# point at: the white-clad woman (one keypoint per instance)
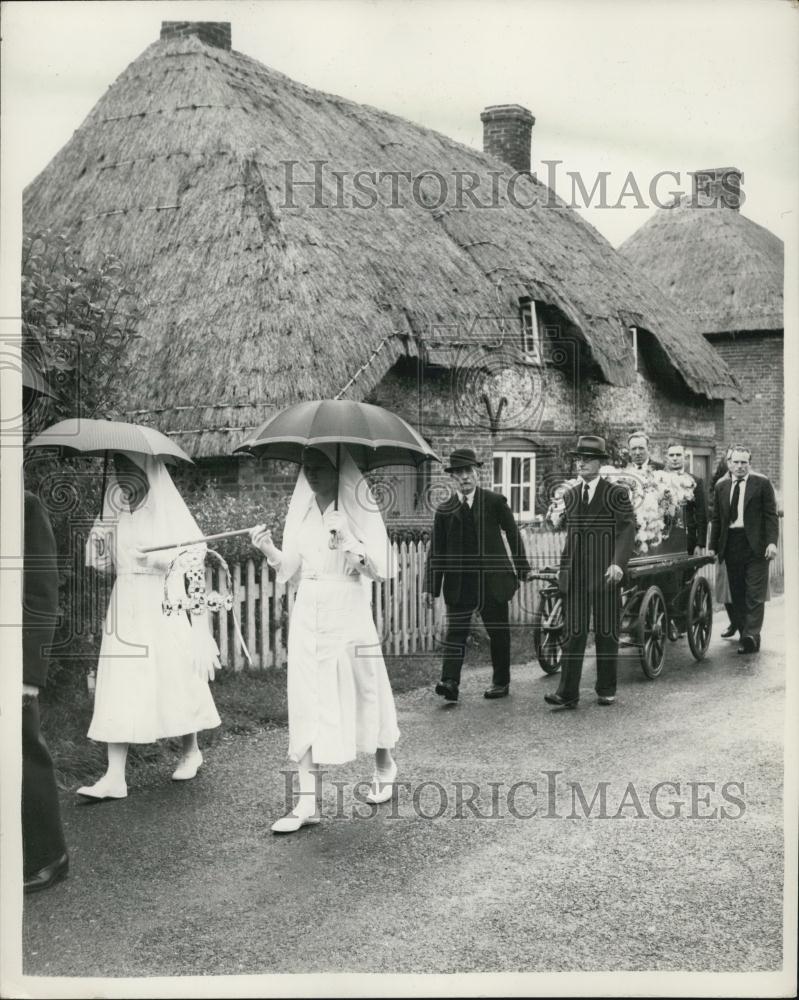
(153, 670)
(339, 696)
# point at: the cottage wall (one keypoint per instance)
(757, 359)
(545, 409)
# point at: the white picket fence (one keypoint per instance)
(404, 623)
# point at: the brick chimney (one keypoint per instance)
(215, 33)
(718, 187)
(506, 134)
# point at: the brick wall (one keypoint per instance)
(215, 33)
(544, 409)
(757, 360)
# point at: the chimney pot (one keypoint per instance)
(214, 33)
(718, 187)
(507, 129)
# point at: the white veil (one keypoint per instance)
(169, 520)
(356, 500)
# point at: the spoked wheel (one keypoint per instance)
(548, 631)
(652, 632)
(699, 617)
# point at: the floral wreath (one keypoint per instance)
(657, 496)
(191, 563)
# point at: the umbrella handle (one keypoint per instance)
(332, 542)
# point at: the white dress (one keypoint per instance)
(339, 697)
(146, 685)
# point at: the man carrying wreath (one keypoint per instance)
(600, 536)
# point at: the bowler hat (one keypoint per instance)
(462, 458)
(590, 446)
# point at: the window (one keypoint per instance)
(531, 333)
(514, 476)
(632, 335)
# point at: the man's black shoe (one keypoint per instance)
(448, 690)
(748, 644)
(557, 702)
(729, 632)
(497, 691)
(47, 876)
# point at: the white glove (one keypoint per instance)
(261, 538)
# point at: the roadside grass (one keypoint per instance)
(247, 701)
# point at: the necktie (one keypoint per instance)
(585, 496)
(736, 490)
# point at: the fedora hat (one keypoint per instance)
(462, 458)
(590, 446)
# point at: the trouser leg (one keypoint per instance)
(495, 618)
(42, 833)
(736, 556)
(756, 584)
(459, 622)
(607, 618)
(576, 620)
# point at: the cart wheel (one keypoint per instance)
(548, 632)
(699, 617)
(652, 631)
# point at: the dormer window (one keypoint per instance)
(531, 332)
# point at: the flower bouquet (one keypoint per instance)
(657, 498)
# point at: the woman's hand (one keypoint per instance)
(261, 538)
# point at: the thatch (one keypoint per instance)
(724, 271)
(178, 169)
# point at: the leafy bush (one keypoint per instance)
(79, 322)
(215, 511)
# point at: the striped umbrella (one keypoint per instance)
(375, 437)
(83, 436)
(80, 436)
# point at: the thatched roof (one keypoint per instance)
(724, 271)
(180, 169)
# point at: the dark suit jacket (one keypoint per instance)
(602, 536)
(445, 562)
(761, 522)
(39, 592)
(696, 517)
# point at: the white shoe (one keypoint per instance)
(188, 767)
(104, 789)
(295, 819)
(382, 785)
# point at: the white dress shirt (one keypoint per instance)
(469, 498)
(739, 522)
(592, 485)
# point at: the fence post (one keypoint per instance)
(238, 600)
(267, 658)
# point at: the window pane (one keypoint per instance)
(515, 470)
(515, 499)
(526, 498)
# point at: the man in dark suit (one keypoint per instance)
(638, 447)
(696, 508)
(44, 852)
(600, 535)
(744, 533)
(468, 558)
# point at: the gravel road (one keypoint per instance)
(186, 879)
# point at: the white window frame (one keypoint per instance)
(505, 485)
(531, 333)
(703, 452)
(633, 331)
